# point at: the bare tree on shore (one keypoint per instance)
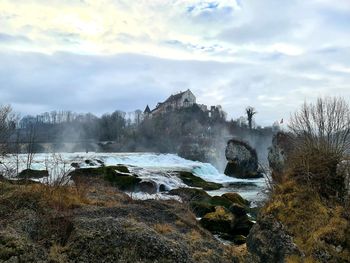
(250, 111)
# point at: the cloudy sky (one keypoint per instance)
(102, 55)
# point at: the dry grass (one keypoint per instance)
(56, 254)
(314, 225)
(163, 228)
(180, 223)
(238, 252)
(203, 255)
(194, 236)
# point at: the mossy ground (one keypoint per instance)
(320, 229)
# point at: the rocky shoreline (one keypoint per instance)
(97, 223)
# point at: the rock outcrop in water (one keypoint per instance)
(242, 160)
(278, 153)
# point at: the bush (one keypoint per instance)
(321, 141)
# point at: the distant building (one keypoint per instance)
(175, 102)
(184, 100)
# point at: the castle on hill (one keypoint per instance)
(182, 100)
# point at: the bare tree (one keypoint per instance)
(250, 111)
(7, 124)
(321, 142)
(324, 126)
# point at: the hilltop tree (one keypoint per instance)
(250, 114)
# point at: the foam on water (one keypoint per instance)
(149, 166)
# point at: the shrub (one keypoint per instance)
(321, 141)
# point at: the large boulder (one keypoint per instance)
(242, 160)
(278, 153)
(118, 176)
(148, 187)
(219, 221)
(268, 241)
(227, 223)
(225, 215)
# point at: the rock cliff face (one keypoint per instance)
(278, 153)
(242, 160)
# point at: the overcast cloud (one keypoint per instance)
(99, 56)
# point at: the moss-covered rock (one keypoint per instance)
(220, 201)
(221, 220)
(117, 175)
(243, 225)
(238, 209)
(236, 198)
(33, 174)
(112, 170)
(190, 194)
(200, 209)
(191, 180)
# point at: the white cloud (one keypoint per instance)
(270, 54)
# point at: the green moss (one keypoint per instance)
(195, 181)
(236, 198)
(221, 220)
(220, 201)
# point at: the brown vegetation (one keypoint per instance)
(311, 199)
(321, 141)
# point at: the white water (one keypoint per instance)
(148, 166)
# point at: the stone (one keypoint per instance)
(268, 241)
(242, 160)
(149, 187)
(236, 198)
(33, 174)
(191, 180)
(220, 221)
(278, 153)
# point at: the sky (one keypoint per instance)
(104, 55)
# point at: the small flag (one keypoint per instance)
(281, 121)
